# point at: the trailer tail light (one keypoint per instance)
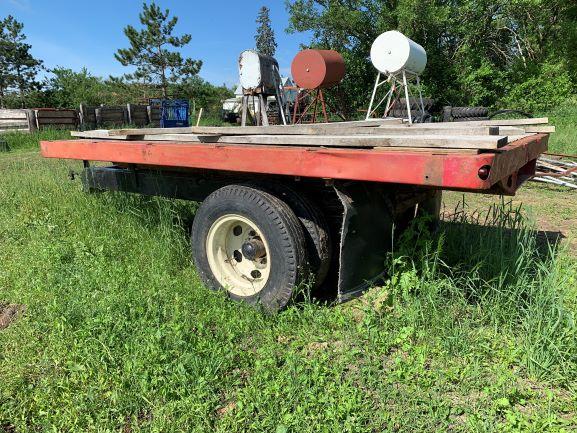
(484, 172)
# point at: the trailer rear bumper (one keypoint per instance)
(500, 172)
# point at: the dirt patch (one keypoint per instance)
(7, 428)
(142, 417)
(323, 346)
(226, 408)
(9, 313)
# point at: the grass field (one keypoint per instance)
(474, 331)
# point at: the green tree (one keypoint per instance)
(150, 50)
(68, 89)
(204, 94)
(265, 40)
(478, 50)
(18, 68)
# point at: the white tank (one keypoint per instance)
(393, 52)
(258, 72)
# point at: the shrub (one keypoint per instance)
(547, 87)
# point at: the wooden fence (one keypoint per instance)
(154, 115)
(14, 120)
(52, 118)
(137, 114)
(86, 117)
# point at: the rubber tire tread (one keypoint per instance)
(279, 290)
(315, 226)
(469, 112)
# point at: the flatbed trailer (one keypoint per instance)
(274, 217)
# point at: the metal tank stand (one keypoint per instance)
(306, 109)
(259, 114)
(399, 86)
(259, 107)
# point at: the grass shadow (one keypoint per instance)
(491, 268)
(153, 211)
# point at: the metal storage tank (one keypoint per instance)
(393, 52)
(318, 69)
(257, 71)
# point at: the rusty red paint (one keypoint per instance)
(444, 170)
(316, 69)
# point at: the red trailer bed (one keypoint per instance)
(272, 213)
(502, 170)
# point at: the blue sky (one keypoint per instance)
(76, 34)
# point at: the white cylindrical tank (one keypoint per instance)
(257, 71)
(393, 52)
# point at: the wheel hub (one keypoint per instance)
(237, 253)
(253, 249)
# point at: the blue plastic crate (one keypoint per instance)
(173, 112)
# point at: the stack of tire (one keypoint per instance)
(464, 114)
(401, 112)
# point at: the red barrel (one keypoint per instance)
(318, 69)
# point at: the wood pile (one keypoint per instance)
(488, 135)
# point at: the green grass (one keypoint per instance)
(119, 332)
(565, 139)
(18, 141)
(474, 331)
(209, 120)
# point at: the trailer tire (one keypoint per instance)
(315, 226)
(234, 222)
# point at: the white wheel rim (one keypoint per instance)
(235, 272)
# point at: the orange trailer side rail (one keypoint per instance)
(502, 171)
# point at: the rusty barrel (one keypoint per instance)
(318, 69)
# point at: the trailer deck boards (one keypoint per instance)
(363, 126)
(473, 156)
(482, 135)
(369, 141)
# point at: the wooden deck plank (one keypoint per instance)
(398, 130)
(434, 141)
(385, 140)
(250, 130)
(504, 122)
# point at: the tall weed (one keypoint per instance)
(491, 269)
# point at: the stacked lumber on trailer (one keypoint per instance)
(387, 133)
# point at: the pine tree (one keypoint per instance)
(18, 68)
(150, 51)
(265, 40)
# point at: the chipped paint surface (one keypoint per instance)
(455, 170)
